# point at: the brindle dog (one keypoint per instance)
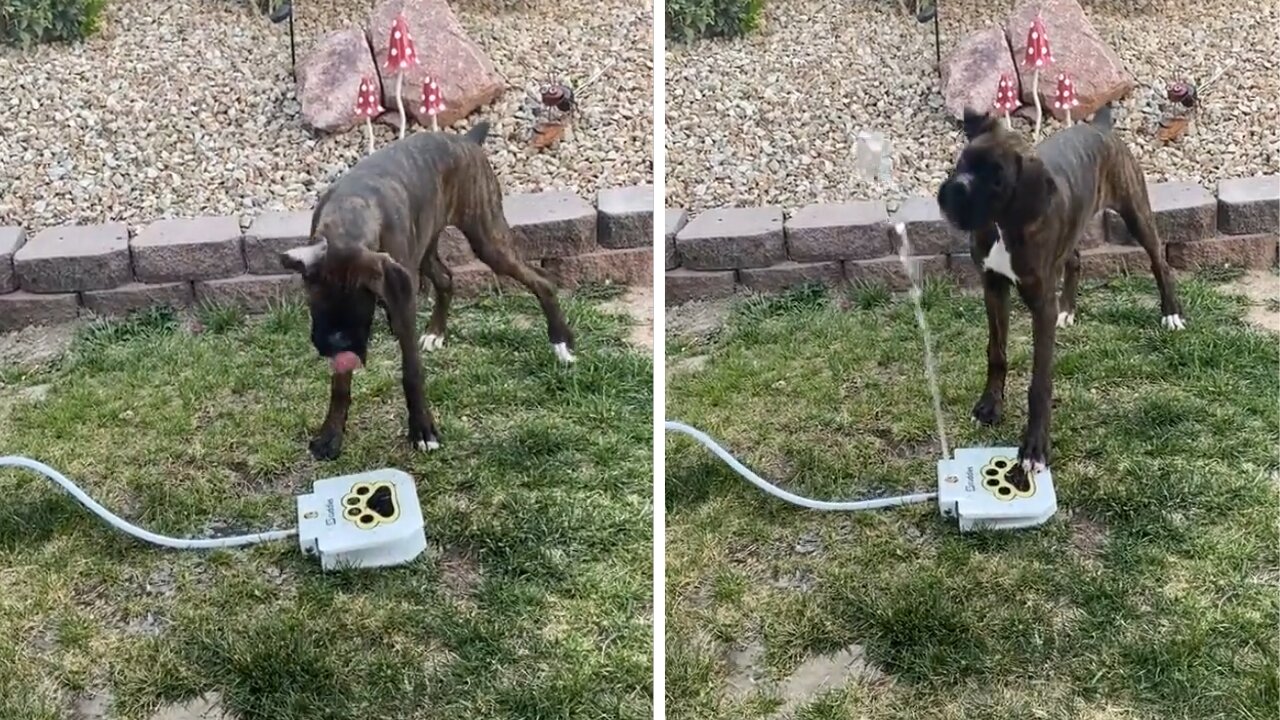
(1026, 209)
(374, 232)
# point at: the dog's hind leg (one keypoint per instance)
(1136, 213)
(442, 284)
(491, 241)
(1070, 282)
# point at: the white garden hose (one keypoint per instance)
(137, 532)
(792, 498)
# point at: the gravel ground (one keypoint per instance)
(181, 108)
(772, 118)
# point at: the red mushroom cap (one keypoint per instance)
(432, 98)
(400, 51)
(1006, 94)
(1066, 96)
(369, 99)
(1038, 53)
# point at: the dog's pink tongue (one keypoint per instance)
(345, 362)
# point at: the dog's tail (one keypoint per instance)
(1102, 118)
(478, 133)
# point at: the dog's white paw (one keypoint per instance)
(427, 445)
(563, 354)
(1066, 319)
(1032, 468)
(1173, 322)
(431, 341)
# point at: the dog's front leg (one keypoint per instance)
(327, 444)
(1043, 303)
(422, 426)
(996, 297)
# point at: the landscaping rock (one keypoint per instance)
(963, 270)
(251, 293)
(1184, 212)
(121, 301)
(1078, 50)
(625, 217)
(454, 249)
(850, 231)
(20, 309)
(1245, 206)
(476, 279)
(466, 74)
(782, 276)
(1112, 260)
(73, 258)
(888, 271)
(203, 248)
(927, 231)
(631, 266)
(731, 238)
(550, 224)
(676, 220)
(11, 240)
(271, 234)
(683, 286)
(1253, 252)
(329, 78)
(971, 73)
(1094, 235)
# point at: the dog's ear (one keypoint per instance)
(381, 275)
(301, 259)
(976, 123)
(1033, 192)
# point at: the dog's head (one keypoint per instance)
(995, 179)
(344, 285)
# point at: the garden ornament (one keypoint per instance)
(369, 104)
(1038, 57)
(1066, 96)
(432, 101)
(1006, 98)
(401, 55)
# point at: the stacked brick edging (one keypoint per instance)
(719, 251)
(65, 271)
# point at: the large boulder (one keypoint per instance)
(466, 75)
(972, 71)
(329, 79)
(1078, 51)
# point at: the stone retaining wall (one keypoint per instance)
(61, 273)
(720, 251)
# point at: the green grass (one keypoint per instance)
(534, 601)
(1151, 594)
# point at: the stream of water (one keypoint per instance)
(912, 267)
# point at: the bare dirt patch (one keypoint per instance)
(1088, 536)
(697, 321)
(205, 707)
(460, 572)
(1262, 289)
(637, 303)
(691, 364)
(812, 678)
(36, 345)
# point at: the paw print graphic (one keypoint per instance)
(369, 505)
(1002, 477)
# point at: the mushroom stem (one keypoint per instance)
(435, 124)
(368, 126)
(1035, 95)
(400, 101)
(1068, 117)
(1008, 123)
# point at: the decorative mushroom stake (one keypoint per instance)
(1038, 57)
(401, 55)
(369, 105)
(1006, 98)
(432, 101)
(1066, 97)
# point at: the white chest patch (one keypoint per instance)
(998, 261)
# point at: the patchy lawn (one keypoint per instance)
(1151, 594)
(534, 601)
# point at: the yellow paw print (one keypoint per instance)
(995, 478)
(369, 505)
